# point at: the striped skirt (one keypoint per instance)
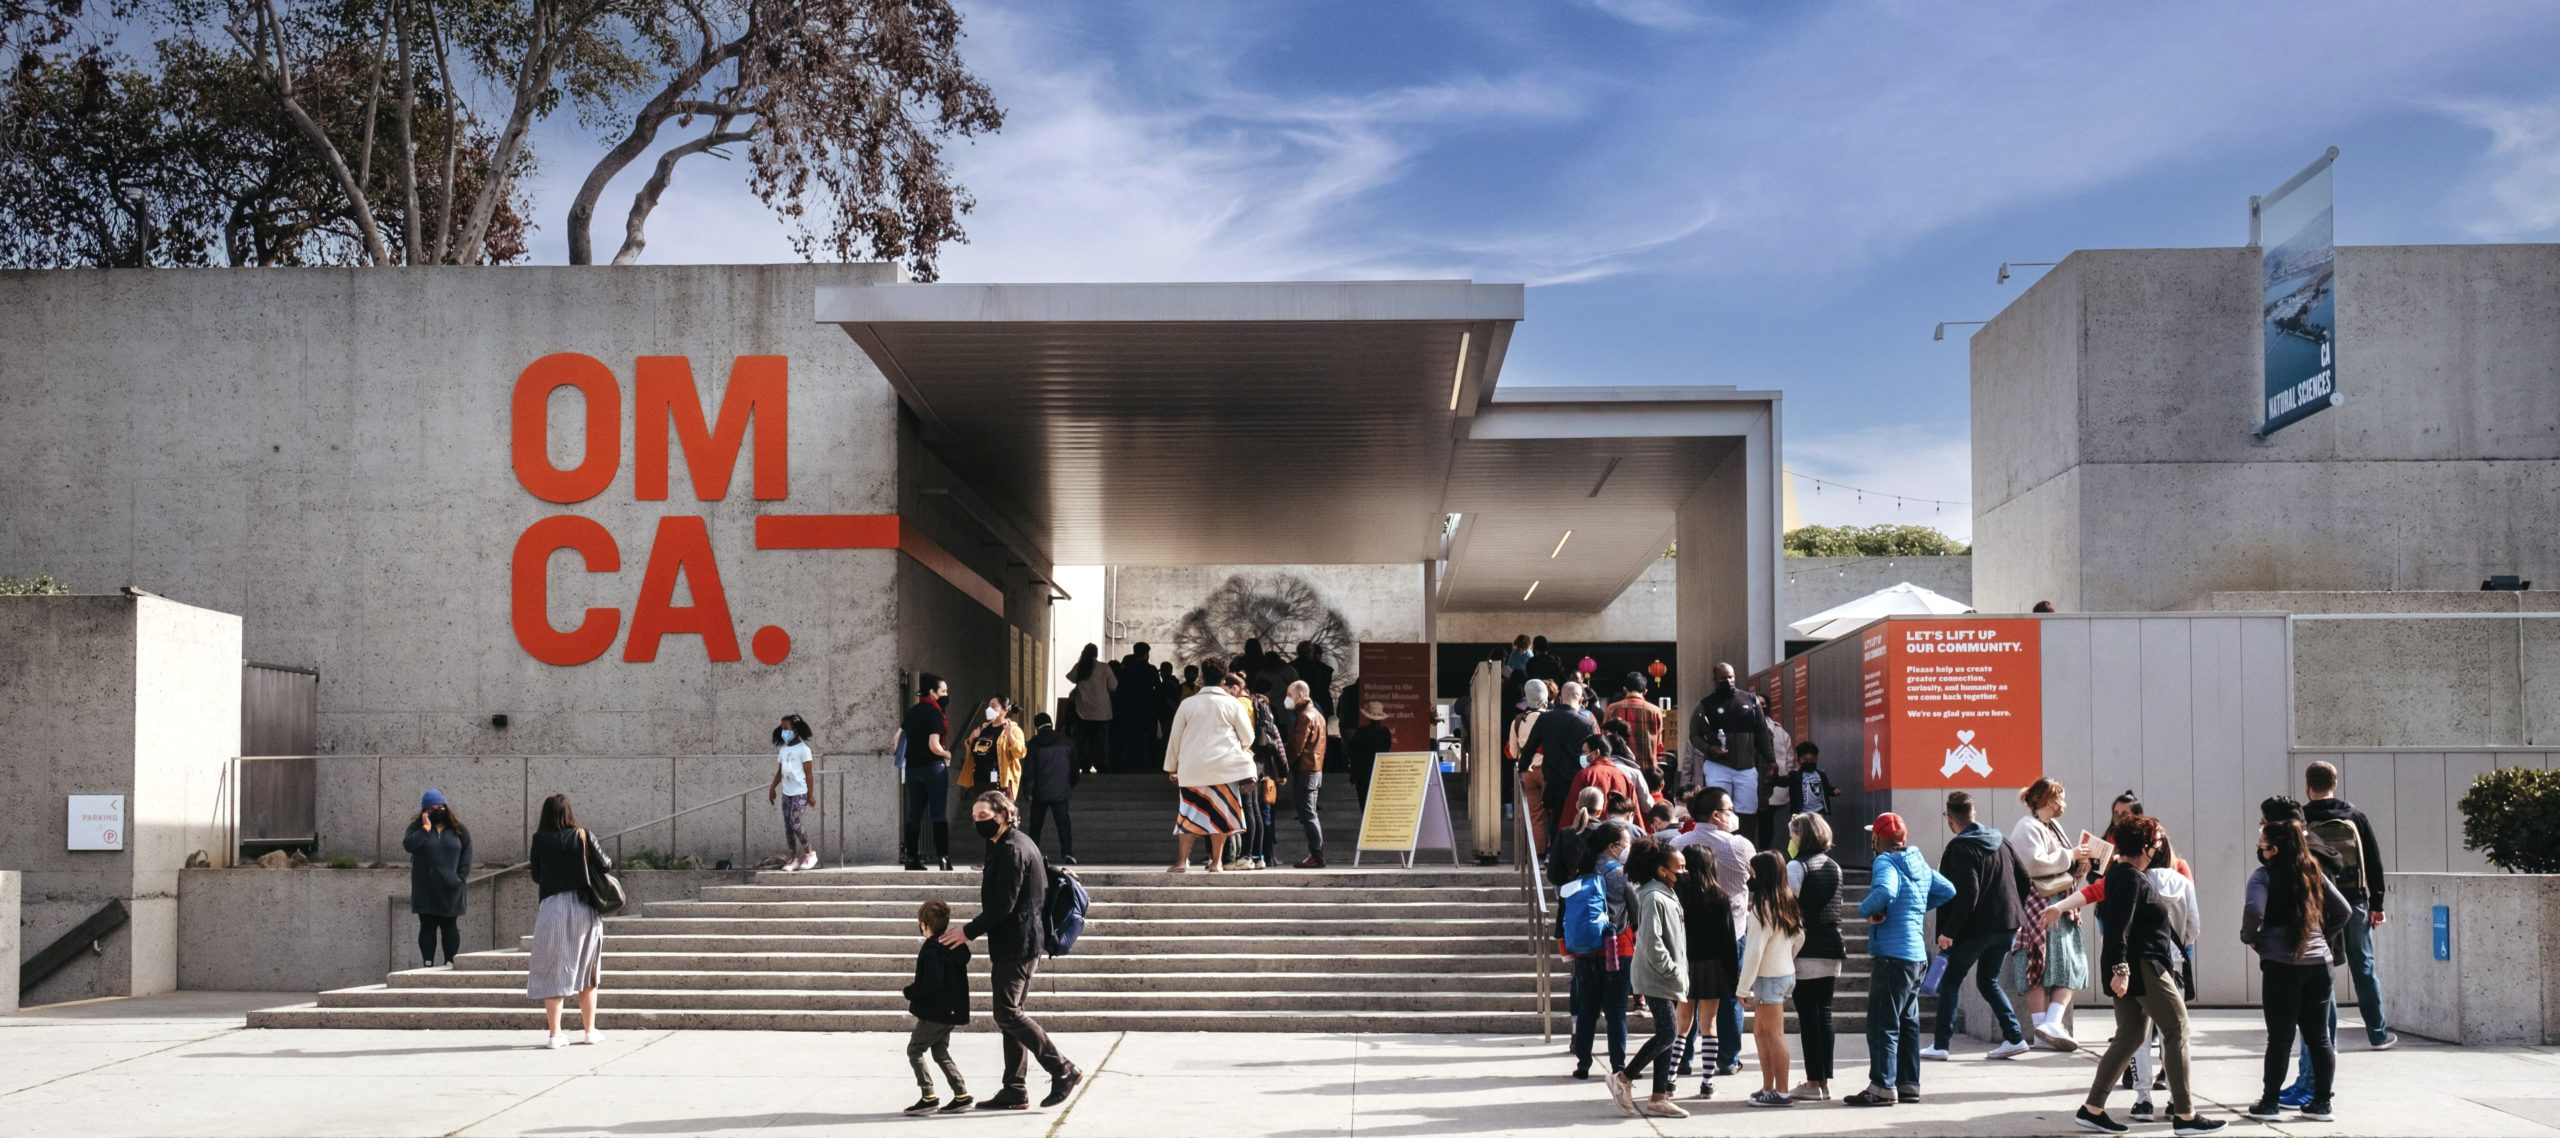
(1209, 810)
(568, 948)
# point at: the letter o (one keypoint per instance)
(531, 430)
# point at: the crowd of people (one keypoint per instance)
(1674, 910)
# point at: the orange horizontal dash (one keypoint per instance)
(827, 531)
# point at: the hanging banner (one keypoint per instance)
(1953, 703)
(2298, 295)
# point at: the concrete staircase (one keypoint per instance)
(1429, 950)
(1127, 819)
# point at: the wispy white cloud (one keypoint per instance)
(1909, 461)
(2519, 192)
(1660, 15)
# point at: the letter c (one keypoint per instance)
(530, 606)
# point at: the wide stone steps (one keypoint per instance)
(829, 950)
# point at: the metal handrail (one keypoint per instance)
(1533, 881)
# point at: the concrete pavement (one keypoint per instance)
(182, 1064)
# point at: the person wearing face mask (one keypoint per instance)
(1012, 898)
(439, 848)
(795, 786)
(924, 739)
(1305, 734)
(1728, 747)
(1554, 747)
(992, 759)
(1816, 879)
(1719, 832)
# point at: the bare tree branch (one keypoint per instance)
(409, 220)
(647, 199)
(666, 104)
(277, 73)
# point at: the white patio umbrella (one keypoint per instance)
(1904, 599)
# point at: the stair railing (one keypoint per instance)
(1533, 884)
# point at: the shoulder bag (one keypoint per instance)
(603, 891)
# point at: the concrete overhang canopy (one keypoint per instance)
(1294, 423)
(1194, 423)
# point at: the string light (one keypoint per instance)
(1940, 504)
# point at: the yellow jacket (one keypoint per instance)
(1009, 751)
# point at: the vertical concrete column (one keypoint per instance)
(1727, 584)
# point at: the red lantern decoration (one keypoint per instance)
(1589, 665)
(1655, 669)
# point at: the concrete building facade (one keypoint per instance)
(2113, 404)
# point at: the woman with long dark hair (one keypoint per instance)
(439, 848)
(1706, 916)
(2145, 973)
(1661, 976)
(1095, 680)
(1815, 878)
(568, 934)
(1768, 974)
(2291, 906)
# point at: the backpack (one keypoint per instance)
(1063, 911)
(2342, 836)
(1586, 914)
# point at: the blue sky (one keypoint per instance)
(1765, 195)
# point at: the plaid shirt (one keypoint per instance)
(1644, 725)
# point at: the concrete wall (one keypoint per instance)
(2112, 405)
(326, 453)
(9, 950)
(2502, 983)
(137, 696)
(313, 929)
(2441, 677)
(1647, 611)
(1151, 603)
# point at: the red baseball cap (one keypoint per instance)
(1889, 825)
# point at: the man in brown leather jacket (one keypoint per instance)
(1303, 726)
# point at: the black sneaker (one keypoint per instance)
(1062, 1086)
(963, 1104)
(2389, 1040)
(1010, 1098)
(1872, 1096)
(926, 1105)
(946, 864)
(1906, 1094)
(2186, 1127)
(2318, 1111)
(2143, 1112)
(2266, 1110)
(912, 865)
(2098, 1122)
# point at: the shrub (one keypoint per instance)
(41, 585)
(2512, 816)
(345, 861)
(648, 857)
(1870, 541)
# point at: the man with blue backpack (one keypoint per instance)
(1013, 904)
(1599, 938)
(1900, 892)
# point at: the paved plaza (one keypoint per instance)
(183, 1065)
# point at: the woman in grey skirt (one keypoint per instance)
(568, 934)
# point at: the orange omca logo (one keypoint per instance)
(755, 406)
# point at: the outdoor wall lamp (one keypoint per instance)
(2005, 266)
(1940, 332)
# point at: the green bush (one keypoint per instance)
(2512, 817)
(651, 857)
(41, 585)
(344, 861)
(1870, 541)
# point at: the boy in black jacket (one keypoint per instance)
(939, 999)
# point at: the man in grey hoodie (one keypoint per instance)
(1977, 925)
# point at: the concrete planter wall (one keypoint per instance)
(308, 930)
(2502, 982)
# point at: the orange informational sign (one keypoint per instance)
(1952, 702)
(1800, 698)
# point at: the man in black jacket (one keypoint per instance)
(1555, 743)
(1976, 928)
(1012, 896)
(1049, 781)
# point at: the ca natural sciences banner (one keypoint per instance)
(1952, 703)
(2298, 296)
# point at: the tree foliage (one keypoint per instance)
(1871, 541)
(2512, 816)
(40, 585)
(268, 132)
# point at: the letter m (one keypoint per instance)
(667, 401)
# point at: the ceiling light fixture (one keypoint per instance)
(1568, 536)
(1533, 591)
(1458, 378)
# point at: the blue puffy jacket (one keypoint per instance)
(1902, 889)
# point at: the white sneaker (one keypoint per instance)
(1663, 1108)
(811, 861)
(592, 1036)
(2051, 1033)
(555, 1043)
(1622, 1089)
(2009, 1050)
(1938, 1054)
